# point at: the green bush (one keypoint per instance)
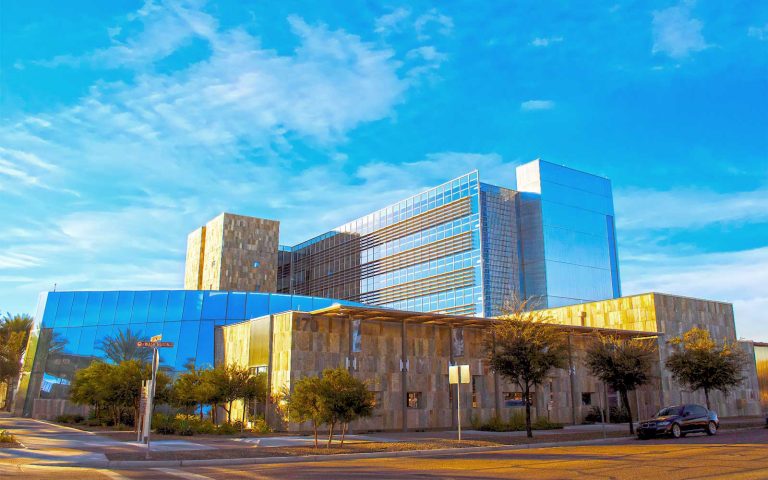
(619, 415)
(164, 424)
(205, 427)
(260, 425)
(227, 429)
(7, 437)
(594, 415)
(69, 418)
(516, 423)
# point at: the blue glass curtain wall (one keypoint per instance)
(75, 325)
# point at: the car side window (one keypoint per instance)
(699, 411)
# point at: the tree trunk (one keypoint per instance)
(242, 423)
(526, 396)
(229, 412)
(706, 396)
(201, 412)
(330, 434)
(343, 432)
(314, 428)
(625, 400)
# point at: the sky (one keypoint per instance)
(124, 125)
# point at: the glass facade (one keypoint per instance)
(420, 254)
(72, 327)
(466, 247)
(568, 235)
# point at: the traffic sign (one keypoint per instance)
(156, 338)
(154, 344)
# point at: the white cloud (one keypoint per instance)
(545, 41)
(392, 22)
(529, 105)
(687, 208)
(431, 21)
(675, 33)
(159, 154)
(760, 33)
(736, 277)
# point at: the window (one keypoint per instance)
(515, 399)
(477, 386)
(586, 398)
(414, 400)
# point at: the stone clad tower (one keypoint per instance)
(233, 252)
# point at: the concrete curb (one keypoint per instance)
(118, 464)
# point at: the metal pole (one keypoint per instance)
(148, 423)
(458, 402)
(602, 409)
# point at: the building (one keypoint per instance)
(396, 296)
(70, 328)
(404, 358)
(462, 247)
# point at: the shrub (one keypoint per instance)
(594, 415)
(260, 425)
(542, 423)
(516, 423)
(619, 415)
(205, 427)
(69, 418)
(227, 429)
(7, 437)
(164, 424)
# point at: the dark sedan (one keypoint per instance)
(679, 420)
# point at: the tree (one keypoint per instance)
(345, 398)
(254, 389)
(305, 403)
(228, 383)
(700, 364)
(524, 348)
(624, 364)
(116, 388)
(189, 389)
(14, 335)
(122, 347)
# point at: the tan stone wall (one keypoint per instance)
(637, 312)
(233, 252)
(761, 372)
(193, 265)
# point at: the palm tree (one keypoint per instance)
(18, 323)
(122, 346)
(14, 335)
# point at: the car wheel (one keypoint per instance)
(676, 432)
(642, 436)
(711, 428)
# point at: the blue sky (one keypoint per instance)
(125, 125)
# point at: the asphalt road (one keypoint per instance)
(739, 455)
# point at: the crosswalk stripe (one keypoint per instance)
(113, 475)
(182, 474)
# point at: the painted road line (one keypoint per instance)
(112, 474)
(182, 474)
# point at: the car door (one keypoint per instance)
(701, 416)
(688, 421)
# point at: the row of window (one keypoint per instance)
(458, 188)
(440, 301)
(420, 270)
(423, 237)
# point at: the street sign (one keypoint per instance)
(154, 344)
(156, 338)
(458, 374)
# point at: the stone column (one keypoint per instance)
(404, 378)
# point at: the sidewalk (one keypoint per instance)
(50, 444)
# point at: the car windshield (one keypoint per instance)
(669, 411)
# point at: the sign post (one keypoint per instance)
(149, 387)
(458, 374)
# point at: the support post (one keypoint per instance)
(496, 393)
(404, 376)
(572, 379)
